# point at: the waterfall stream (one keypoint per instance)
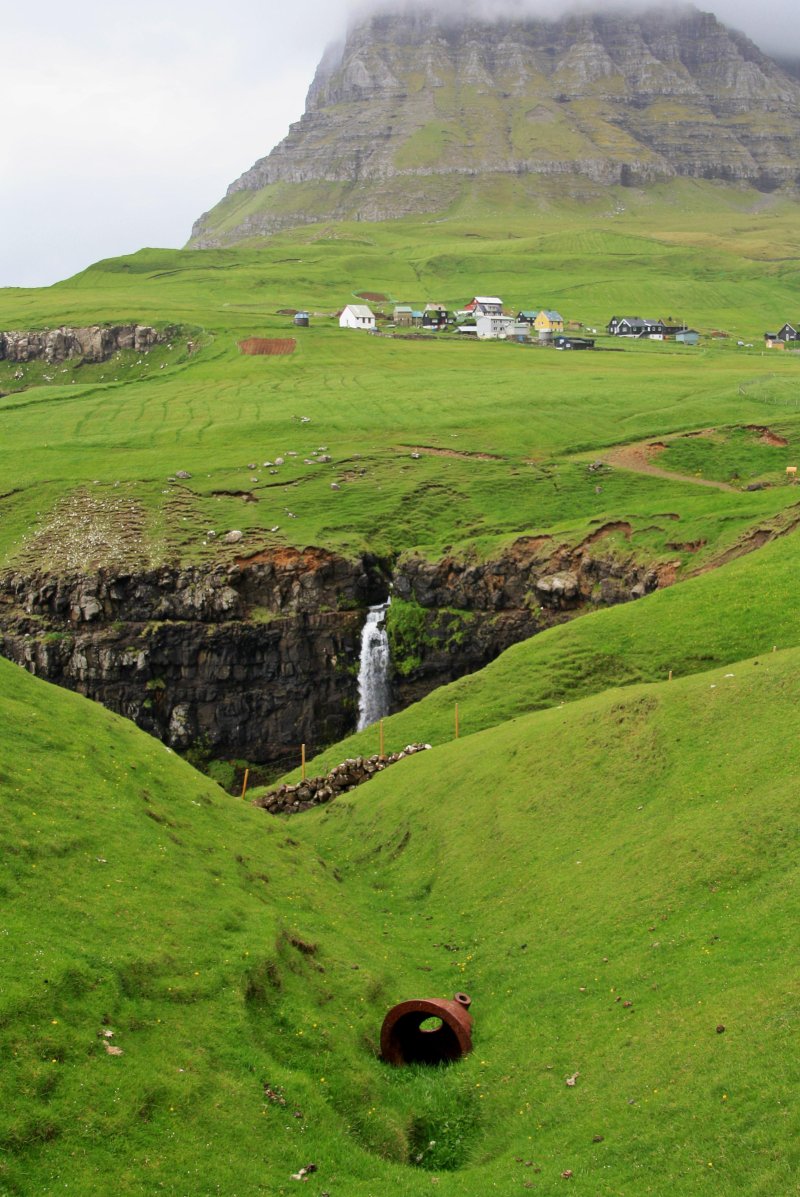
(373, 673)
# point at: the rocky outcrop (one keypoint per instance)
(248, 661)
(94, 344)
(463, 614)
(291, 799)
(414, 104)
(253, 659)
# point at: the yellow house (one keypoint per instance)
(548, 321)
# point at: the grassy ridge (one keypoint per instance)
(638, 845)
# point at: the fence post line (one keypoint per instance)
(303, 762)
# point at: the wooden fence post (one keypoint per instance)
(244, 783)
(303, 762)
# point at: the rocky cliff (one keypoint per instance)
(254, 659)
(93, 344)
(411, 106)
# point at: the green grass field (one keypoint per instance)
(111, 435)
(606, 860)
(611, 882)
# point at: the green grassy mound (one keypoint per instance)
(639, 845)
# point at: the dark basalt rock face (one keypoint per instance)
(254, 659)
(413, 105)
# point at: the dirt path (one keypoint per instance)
(640, 458)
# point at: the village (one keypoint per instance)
(486, 319)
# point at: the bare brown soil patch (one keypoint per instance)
(609, 529)
(686, 546)
(374, 296)
(286, 557)
(268, 346)
(465, 454)
(638, 458)
(246, 495)
(767, 436)
(756, 538)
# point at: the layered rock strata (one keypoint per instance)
(253, 660)
(413, 105)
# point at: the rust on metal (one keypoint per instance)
(406, 1039)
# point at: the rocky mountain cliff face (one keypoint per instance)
(253, 659)
(412, 106)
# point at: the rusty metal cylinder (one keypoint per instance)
(406, 1040)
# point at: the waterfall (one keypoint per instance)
(373, 673)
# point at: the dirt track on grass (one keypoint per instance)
(641, 457)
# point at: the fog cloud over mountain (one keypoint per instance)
(123, 130)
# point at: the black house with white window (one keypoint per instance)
(634, 326)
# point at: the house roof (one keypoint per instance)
(403, 307)
(488, 299)
(530, 315)
(359, 309)
(552, 315)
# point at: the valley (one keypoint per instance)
(589, 825)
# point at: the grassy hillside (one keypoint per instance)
(612, 882)
(637, 842)
(103, 441)
(748, 607)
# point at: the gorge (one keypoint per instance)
(253, 659)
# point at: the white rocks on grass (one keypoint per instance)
(315, 791)
(278, 461)
(233, 537)
(335, 486)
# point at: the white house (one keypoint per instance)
(485, 305)
(492, 328)
(357, 315)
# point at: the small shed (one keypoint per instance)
(302, 319)
(561, 341)
(357, 315)
(402, 315)
(687, 336)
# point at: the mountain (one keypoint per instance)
(412, 109)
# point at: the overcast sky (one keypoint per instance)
(122, 125)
